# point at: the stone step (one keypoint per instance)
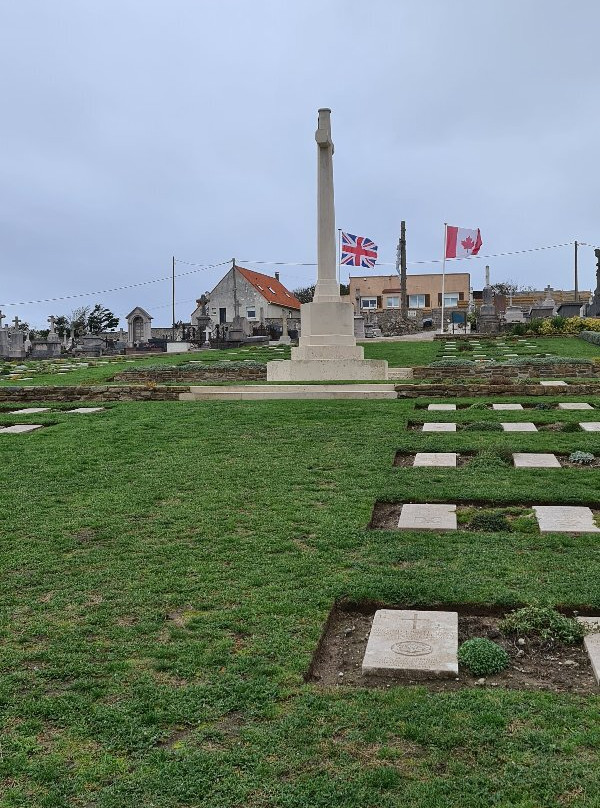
(294, 392)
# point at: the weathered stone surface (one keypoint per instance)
(591, 643)
(441, 407)
(553, 384)
(427, 517)
(86, 410)
(435, 459)
(434, 426)
(590, 426)
(574, 405)
(507, 406)
(519, 427)
(412, 644)
(29, 411)
(18, 429)
(530, 460)
(565, 519)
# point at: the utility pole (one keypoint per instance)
(576, 279)
(173, 303)
(401, 269)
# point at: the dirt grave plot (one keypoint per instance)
(487, 517)
(405, 459)
(569, 464)
(337, 661)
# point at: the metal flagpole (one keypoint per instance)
(173, 302)
(339, 255)
(444, 274)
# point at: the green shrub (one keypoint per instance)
(519, 330)
(483, 426)
(482, 656)
(590, 336)
(581, 457)
(570, 426)
(543, 623)
(490, 522)
(479, 405)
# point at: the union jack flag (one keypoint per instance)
(358, 251)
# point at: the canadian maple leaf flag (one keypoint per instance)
(462, 243)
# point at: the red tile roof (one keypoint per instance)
(270, 288)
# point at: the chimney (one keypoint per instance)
(277, 276)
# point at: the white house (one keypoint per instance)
(261, 299)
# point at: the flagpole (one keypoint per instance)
(444, 274)
(339, 255)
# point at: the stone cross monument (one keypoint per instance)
(593, 309)
(327, 347)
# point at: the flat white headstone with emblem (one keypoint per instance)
(412, 644)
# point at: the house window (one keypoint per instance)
(416, 301)
(271, 290)
(451, 300)
(392, 302)
(258, 286)
(368, 302)
(251, 313)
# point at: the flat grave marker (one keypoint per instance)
(436, 426)
(591, 643)
(18, 429)
(531, 460)
(427, 517)
(590, 426)
(519, 426)
(574, 405)
(441, 407)
(507, 406)
(437, 459)
(86, 410)
(29, 411)
(406, 643)
(565, 519)
(553, 384)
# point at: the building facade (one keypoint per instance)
(379, 293)
(261, 299)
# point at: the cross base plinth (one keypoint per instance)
(317, 370)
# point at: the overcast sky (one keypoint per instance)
(134, 130)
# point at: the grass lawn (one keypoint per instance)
(167, 569)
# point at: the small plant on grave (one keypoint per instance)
(465, 346)
(570, 426)
(582, 458)
(483, 426)
(478, 405)
(490, 522)
(543, 625)
(543, 405)
(525, 522)
(482, 656)
(487, 459)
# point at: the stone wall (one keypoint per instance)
(191, 376)
(90, 393)
(566, 370)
